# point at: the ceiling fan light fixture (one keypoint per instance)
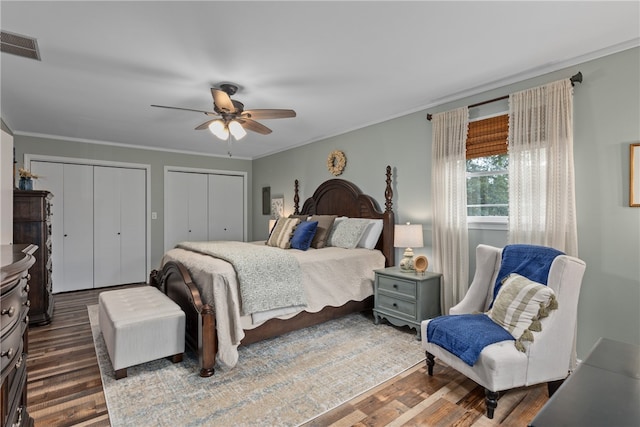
(237, 130)
(219, 129)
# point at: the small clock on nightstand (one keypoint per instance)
(406, 299)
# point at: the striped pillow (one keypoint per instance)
(281, 235)
(520, 305)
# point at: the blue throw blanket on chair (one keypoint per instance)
(465, 335)
(530, 261)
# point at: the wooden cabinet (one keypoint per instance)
(32, 225)
(406, 299)
(14, 291)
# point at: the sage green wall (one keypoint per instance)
(157, 159)
(606, 121)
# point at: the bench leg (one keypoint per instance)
(177, 358)
(121, 373)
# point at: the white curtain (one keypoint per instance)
(542, 207)
(449, 190)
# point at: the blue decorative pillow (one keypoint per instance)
(303, 235)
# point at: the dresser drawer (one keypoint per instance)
(11, 305)
(15, 383)
(397, 286)
(397, 306)
(12, 346)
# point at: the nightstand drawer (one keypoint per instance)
(407, 308)
(398, 286)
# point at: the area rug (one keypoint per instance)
(284, 381)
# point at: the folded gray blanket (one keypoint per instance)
(268, 277)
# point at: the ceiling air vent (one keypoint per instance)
(19, 45)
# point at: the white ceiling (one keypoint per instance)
(340, 65)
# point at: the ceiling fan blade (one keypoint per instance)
(209, 113)
(254, 126)
(268, 114)
(206, 124)
(222, 101)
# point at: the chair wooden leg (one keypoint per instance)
(552, 386)
(491, 399)
(431, 361)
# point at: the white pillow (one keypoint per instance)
(371, 234)
(347, 232)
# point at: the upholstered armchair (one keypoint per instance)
(501, 366)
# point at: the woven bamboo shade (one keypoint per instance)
(488, 137)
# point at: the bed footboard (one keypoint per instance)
(175, 281)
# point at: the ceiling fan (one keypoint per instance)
(230, 117)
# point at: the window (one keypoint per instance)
(487, 170)
(488, 186)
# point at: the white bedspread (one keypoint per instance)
(331, 277)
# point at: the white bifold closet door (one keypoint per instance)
(186, 208)
(119, 201)
(226, 207)
(72, 222)
(203, 206)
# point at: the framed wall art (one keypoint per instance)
(277, 207)
(634, 175)
(266, 200)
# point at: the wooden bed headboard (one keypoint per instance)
(344, 198)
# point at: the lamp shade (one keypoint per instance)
(219, 129)
(237, 130)
(408, 236)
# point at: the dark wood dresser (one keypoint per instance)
(14, 287)
(32, 225)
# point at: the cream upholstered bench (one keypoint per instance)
(140, 325)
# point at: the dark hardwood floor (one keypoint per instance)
(64, 386)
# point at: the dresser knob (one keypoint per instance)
(395, 286)
(27, 303)
(10, 311)
(26, 288)
(19, 362)
(395, 304)
(8, 353)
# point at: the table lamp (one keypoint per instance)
(407, 236)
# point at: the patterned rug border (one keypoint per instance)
(182, 378)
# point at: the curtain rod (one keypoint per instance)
(574, 79)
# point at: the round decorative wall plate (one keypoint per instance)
(336, 162)
(420, 263)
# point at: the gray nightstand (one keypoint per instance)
(406, 299)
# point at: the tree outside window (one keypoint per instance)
(488, 186)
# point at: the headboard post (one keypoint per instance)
(389, 222)
(296, 199)
(388, 192)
